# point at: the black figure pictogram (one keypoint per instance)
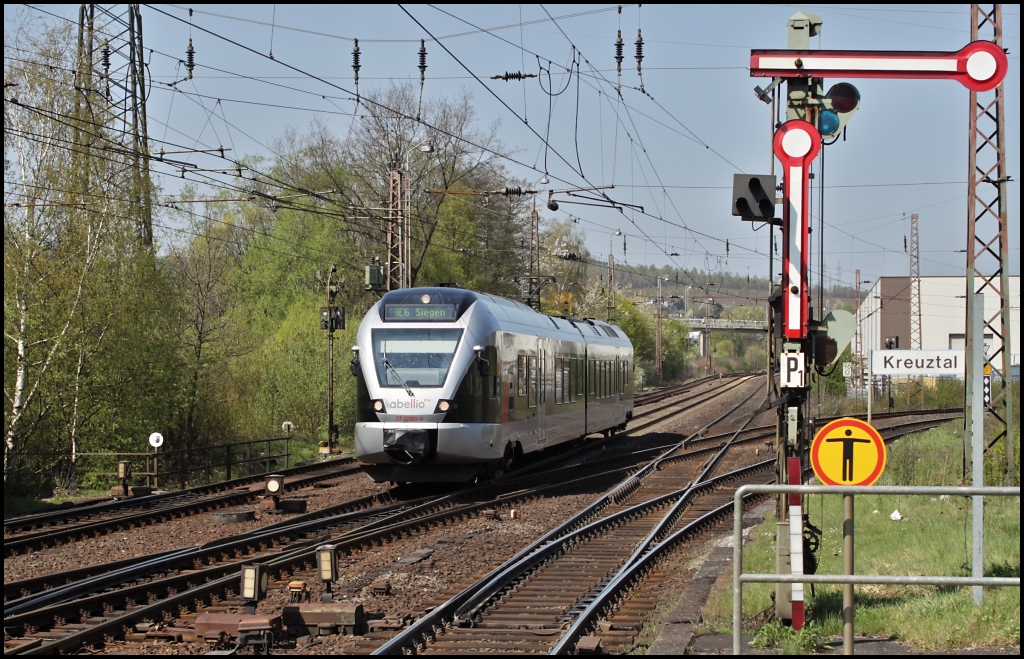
(848, 443)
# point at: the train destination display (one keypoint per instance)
(416, 312)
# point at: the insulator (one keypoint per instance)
(355, 59)
(618, 52)
(106, 58)
(513, 75)
(423, 58)
(511, 191)
(639, 50)
(190, 59)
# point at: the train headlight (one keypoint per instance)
(443, 406)
(378, 406)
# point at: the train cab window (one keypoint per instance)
(532, 384)
(414, 357)
(521, 380)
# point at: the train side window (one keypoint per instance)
(592, 379)
(531, 385)
(573, 377)
(521, 379)
(559, 381)
(567, 380)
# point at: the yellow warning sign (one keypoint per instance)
(848, 452)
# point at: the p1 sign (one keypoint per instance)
(792, 370)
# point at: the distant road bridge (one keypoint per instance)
(725, 325)
(702, 328)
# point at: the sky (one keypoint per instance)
(672, 148)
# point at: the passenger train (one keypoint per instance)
(455, 385)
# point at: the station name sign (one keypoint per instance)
(917, 362)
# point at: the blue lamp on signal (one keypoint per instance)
(828, 122)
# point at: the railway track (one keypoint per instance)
(287, 549)
(37, 532)
(565, 593)
(67, 618)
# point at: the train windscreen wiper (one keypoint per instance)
(387, 365)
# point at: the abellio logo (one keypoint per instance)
(411, 404)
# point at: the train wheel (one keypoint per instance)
(508, 459)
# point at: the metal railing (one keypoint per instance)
(739, 577)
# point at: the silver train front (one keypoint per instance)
(454, 384)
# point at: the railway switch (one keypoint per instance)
(324, 618)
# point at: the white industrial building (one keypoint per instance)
(885, 313)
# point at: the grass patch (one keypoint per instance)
(933, 537)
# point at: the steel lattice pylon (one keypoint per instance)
(395, 227)
(988, 241)
(112, 77)
(916, 390)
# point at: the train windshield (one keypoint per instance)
(414, 357)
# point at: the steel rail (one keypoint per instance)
(51, 518)
(463, 605)
(38, 540)
(221, 576)
(626, 578)
(652, 549)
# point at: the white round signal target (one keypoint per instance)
(156, 440)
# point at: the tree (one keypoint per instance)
(71, 252)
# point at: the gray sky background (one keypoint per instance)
(673, 151)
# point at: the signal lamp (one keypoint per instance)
(254, 586)
(839, 104)
(828, 122)
(327, 570)
(843, 97)
(274, 484)
(124, 469)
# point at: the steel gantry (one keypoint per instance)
(988, 243)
